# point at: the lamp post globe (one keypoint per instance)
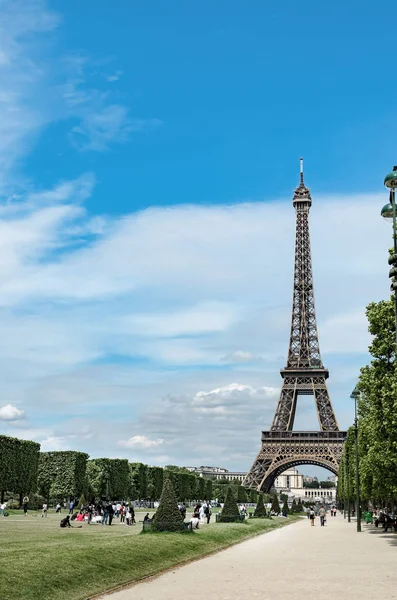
(390, 180)
(387, 212)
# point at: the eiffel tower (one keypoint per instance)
(304, 374)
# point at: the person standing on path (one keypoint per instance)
(322, 513)
(311, 517)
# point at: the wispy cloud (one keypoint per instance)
(10, 413)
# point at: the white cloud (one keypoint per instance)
(10, 413)
(140, 441)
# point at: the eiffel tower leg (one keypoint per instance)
(286, 408)
(326, 415)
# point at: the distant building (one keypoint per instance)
(289, 479)
(218, 473)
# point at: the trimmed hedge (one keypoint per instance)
(62, 474)
(109, 478)
(230, 511)
(260, 511)
(168, 517)
(18, 465)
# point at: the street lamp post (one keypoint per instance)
(389, 212)
(355, 395)
(348, 485)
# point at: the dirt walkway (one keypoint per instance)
(297, 562)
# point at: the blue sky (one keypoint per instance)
(148, 156)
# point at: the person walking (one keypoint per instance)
(105, 514)
(322, 514)
(110, 512)
(71, 506)
(44, 510)
(132, 517)
(25, 505)
(58, 508)
(311, 517)
(207, 512)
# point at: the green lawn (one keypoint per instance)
(41, 561)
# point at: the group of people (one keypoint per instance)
(322, 513)
(201, 513)
(103, 512)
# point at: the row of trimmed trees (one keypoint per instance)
(377, 423)
(58, 475)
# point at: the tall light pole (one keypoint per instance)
(355, 395)
(389, 212)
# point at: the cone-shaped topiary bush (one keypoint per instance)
(230, 511)
(168, 516)
(260, 510)
(299, 507)
(275, 505)
(285, 507)
(294, 507)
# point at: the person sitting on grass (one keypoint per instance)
(65, 522)
(80, 517)
(146, 518)
(194, 522)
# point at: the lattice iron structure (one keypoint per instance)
(304, 374)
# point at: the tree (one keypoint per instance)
(241, 494)
(109, 478)
(19, 461)
(294, 507)
(168, 517)
(275, 505)
(230, 511)
(260, 510)
(285, 507)
(208, 489)
(155, 478)
(62, 474)
(139, 481)
(254, 496)
(299, 507)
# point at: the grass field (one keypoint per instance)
(41, 561)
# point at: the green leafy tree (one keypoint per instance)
(208, 489)
(62, 474)
(241, 495)
(155, 477)
(139, 481)
(109, 478)
(230, 511)
(168, 517)
(254, 496)
(18, 465)
(260, 511)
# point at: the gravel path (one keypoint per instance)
(297, 562)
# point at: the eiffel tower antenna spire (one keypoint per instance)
(304, 374)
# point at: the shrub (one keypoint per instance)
(260, 511)
(294, 507)
(285, 507)
(275, 505)
(168, 516)
(299, 507)
(230, 511)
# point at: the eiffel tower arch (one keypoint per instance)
(304, 374)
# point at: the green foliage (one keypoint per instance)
(283, 497)
(260, 511)
(275, 505)
(168, 517)
(241, 495)
(285, 508)
(294, 507)
(299, 506)
(208, 489)
(62, 474)
(139, 481)
(155, 481)
(377, 408)
(230, 511)
(18, 464)
(254, 496)
(109, 478)
(82, 502)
